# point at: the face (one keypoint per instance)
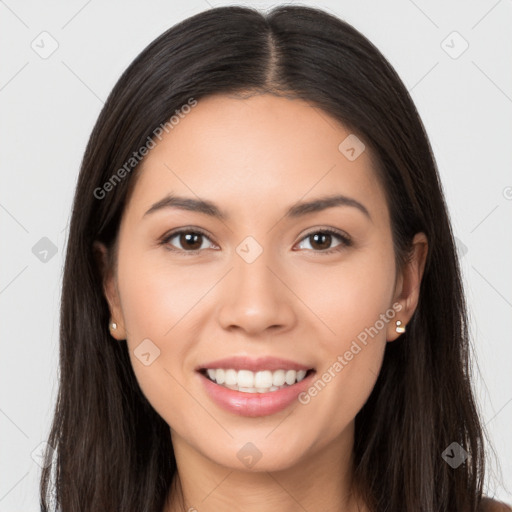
(315, 287)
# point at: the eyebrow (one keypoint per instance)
(295, 211)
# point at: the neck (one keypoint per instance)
(319, 481)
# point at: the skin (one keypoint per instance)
(254, 158)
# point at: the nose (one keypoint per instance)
(256, 299)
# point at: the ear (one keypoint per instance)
(110, 290)
(407, 289)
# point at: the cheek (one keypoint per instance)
(152, 300)
(349, 297)
(356, 307)
(156, 294)
(155, 299)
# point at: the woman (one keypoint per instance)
(262, 307)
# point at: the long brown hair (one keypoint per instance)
(113, 451)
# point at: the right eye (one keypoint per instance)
(190, 240)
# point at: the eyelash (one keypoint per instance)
(346, 241)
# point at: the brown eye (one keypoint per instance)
(321, 240)
(187, 241)
(190, 240)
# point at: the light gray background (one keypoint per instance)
(49, 106)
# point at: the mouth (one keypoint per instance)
(254, 386)
(263, 381)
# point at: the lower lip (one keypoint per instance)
(254, 404)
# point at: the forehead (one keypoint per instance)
(257, 154)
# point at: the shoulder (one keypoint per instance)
(489, 505)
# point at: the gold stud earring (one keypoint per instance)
(399, 327)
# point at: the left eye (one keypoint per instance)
(324, 237)
(192, 241)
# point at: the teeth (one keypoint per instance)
(301, 374)
(278, 377)
(291, 375)
(263, 379)
(231, 378)
(255, 382)
(219, 376)
(245, 378)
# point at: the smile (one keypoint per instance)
(247, 381)
(254, 386)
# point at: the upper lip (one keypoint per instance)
(254, 364)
